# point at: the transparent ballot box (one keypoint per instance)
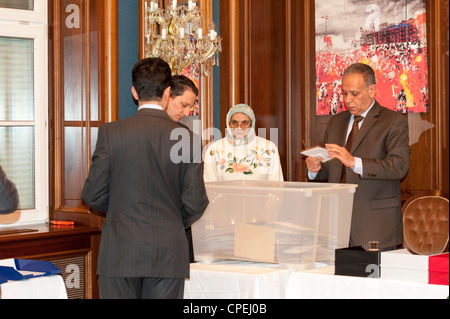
(292, 224)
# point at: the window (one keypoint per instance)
(25, 11)
(24, 106)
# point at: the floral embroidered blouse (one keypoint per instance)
(257, 160)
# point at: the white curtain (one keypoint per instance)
(17, 126)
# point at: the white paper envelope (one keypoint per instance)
(317, 151)
(255, 242)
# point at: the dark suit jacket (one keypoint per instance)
(149, 199)
(9, 198)
(383, 145)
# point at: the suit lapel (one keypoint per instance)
(342, 137)
(369, 121)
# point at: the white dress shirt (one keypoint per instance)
(151, 106)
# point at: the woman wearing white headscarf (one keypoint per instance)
(242, 155)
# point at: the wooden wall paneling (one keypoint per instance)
(255, 65)
(206, 98)
(55, 98)
(288, 171)
(84, 89)
(110, 61)
(269, 74)
(429, 131)
(302, 91)
(141, 28)
(444, 80)
(314, 125)
(68, 83)
(441, 27)
(233, 17)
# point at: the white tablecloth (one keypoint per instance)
(47, 287)
(236, 280)
(323, 284)
(240, 280)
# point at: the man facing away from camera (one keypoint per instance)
(149, 197)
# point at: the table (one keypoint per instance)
(323, 284)
(244, 280)
(47, 287)
(236, 280)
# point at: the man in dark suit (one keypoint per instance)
(183, 95)
(9, 198)
(150, 194)
(376, 161)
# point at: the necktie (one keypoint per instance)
(350, 140)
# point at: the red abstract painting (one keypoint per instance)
(390, 36)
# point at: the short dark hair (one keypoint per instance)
(180, 84)
(365, 70)
(151, 77)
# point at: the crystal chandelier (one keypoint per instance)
(176, 35)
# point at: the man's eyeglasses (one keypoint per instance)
(243, 124)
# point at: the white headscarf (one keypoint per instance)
(247, 110)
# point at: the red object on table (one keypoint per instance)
(438, 270)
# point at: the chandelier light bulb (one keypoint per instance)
(191, 5)
(153, 6)
(182, 41)
(212, 30)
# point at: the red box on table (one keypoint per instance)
(438, 270)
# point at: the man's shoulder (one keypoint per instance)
(342, 116)
(388, 112)
(144, 116)
(390, 115)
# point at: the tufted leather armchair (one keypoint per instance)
(425, 223)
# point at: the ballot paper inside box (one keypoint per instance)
(292, 224)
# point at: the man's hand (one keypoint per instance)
(341, 153)
(314, 164)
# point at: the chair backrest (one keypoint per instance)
(425, 223)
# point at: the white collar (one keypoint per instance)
(368, 109)
(151, 106)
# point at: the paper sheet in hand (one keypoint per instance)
(317, 151)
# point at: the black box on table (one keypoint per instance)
(358, 262)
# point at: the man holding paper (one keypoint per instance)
(376, 160)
